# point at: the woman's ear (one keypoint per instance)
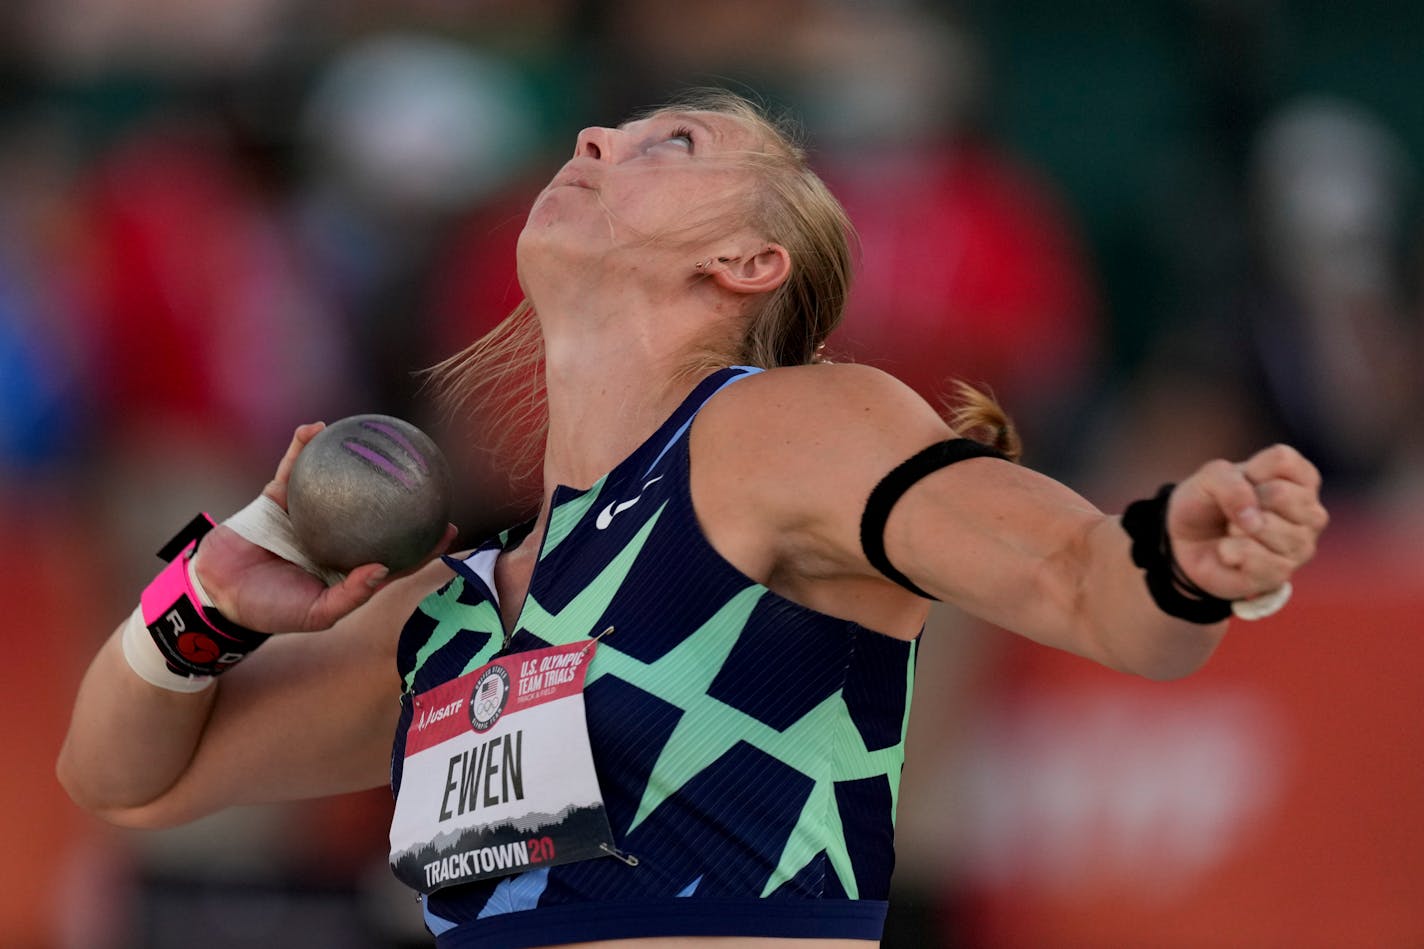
(760, 272)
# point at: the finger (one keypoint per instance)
(1227, 488)
(1295, 542)
(446, 542)
(336, 601)
(1281, 462)
(277, 488)
(1239, 568)
(1294, 502)
(451, 532)
(363, 582)
(1251, 568)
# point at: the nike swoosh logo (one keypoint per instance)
(605, 516)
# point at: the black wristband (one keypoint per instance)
(1172, 590)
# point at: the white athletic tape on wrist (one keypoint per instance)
(1264, 605)
(204, 597)
(145, 659)
(266, 524)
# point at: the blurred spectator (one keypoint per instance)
(1331, 342)
(402, 134)
(44, 349)
(411, 125)
(212, 329)
(971, 266)
(202, 290)
(650, 49)
(81, 38)
(1315, 343)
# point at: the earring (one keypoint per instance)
(704, 264)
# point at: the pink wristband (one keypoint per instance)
(195, 641)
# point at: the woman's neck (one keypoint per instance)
(608, 391)
(617, 356)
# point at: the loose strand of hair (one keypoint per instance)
(499, 380)
(976, 414)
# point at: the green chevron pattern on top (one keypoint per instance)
(566, 516)
(824, 744)
(452, 618)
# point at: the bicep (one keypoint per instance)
(998, 540)
(797, 457)
(1002, 542)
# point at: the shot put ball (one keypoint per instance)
(369, 489)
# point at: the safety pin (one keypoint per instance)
(613, 851)
(594, 640)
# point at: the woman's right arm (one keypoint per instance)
(309, 714)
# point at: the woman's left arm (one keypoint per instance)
(1036, 558)
(805, 447)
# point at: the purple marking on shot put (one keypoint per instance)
(380, 461)
(397, 436)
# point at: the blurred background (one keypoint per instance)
(1160, 231)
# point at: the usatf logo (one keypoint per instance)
(488, 699)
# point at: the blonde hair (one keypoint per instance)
(977, 414)
(791, 206)
(500, 376)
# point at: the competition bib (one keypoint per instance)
(498, 775)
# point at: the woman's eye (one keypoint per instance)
(682, 137)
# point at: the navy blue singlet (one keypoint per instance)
(748, 749)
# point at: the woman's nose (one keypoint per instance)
(596, 143)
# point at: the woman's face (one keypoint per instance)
(656, 185)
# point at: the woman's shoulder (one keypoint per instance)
(817, 404)
(782, 465)
(792, 441)
(852, 376)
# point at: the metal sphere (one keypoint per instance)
(369, 489)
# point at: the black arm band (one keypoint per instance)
(895, 484)
(1172, 590)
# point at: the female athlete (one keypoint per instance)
(736, 550)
